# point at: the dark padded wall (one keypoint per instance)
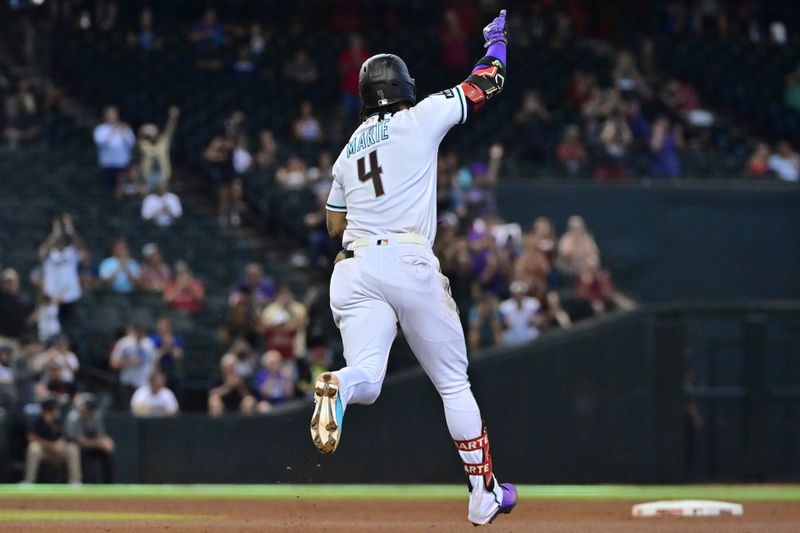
(684, 242)
(578, 407)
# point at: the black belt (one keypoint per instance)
(349, 254)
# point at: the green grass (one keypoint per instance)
(394, 492)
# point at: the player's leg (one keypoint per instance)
(432, 327)
(368, 326)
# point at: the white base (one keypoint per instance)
(687, 508)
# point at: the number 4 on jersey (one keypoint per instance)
(374, 173)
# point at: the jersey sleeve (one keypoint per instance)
(439, 112)
(336, 200)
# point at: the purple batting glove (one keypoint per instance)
(495, 31)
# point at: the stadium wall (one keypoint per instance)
(687, 241)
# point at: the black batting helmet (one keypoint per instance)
(384, 80)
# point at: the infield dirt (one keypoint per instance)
(302, 515)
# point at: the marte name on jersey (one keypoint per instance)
(371, 135)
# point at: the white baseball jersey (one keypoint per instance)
(385, 177)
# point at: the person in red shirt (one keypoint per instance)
(185, 293)
(571, 152)
(757, 165)
(350, 61)
(596, 287)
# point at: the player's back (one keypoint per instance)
(385, 177)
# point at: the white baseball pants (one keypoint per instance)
(394, 282)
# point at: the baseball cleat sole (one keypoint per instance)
(508, 503)
(326, 422)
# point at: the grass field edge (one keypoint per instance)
(406, 492)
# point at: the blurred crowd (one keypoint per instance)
(28, 108)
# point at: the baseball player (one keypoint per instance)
(382, 205)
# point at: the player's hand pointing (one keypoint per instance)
(495, 31)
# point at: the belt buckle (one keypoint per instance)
(382, 242)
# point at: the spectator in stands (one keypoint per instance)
(26, 101)
(306, 127)
(16, 312)
(260, 289)
(532, 268)
(85, 427)
(453, 42)
(156, 273)
(350, 61)
(627, 77)
(246, 360)
(615, 141)
(533, 127)
(244, 66)
(208, 37)
(484, 323)
(543, 238)
(231, 394)
(185, 292)
(154, 146)
(46, 442)
(16, 125)
(115, 141)
(680, 97)
(47, 323)
(61, 253)
(154, 399)
(301, 69)
(284, 323)
(161, 207)
(241, 321)
(219, 166)
(519, 315)
(258, 40)
(785, 162)
(293, 176)
(134, 356)
(665, 142)
(8, 390)
(273, 382)
(553, 316)
(169, 351)
(53, 385)
(577, 249)
(580, 88)
(758, 164)
(595, 286)
(571, 152)
(145, 36)
(266, 158)
(120, 272)
(60, 355)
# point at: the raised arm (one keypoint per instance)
(488, 77)
(172, 121)
(51, 240)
